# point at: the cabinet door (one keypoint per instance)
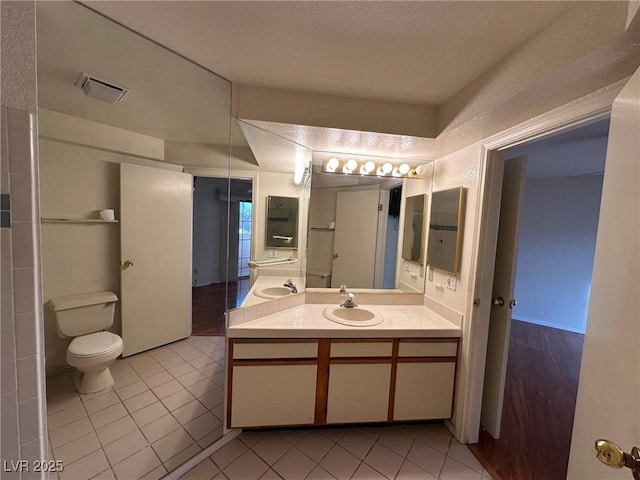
(424, 390)
(358, 393)
(273, 395)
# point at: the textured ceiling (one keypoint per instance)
(415, 52)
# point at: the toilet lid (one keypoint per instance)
(94, 344)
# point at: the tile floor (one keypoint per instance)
(399, 452)
(166, 405)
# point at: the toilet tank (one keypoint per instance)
(83, 313)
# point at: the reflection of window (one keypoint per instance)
(244, 239)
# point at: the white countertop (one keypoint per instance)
(265, 281)
(308, 321)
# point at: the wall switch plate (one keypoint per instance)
(272, 253)
(451, 282)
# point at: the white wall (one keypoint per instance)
(209, 231)
(558, 225)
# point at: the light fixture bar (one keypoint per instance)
(369, 168)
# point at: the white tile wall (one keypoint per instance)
(23, 435)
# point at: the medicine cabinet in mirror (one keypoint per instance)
(282, 222)
(445, 229)
(413, 228)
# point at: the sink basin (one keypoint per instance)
(354, 317)
(272, 292)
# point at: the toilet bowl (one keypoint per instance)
(92, 350)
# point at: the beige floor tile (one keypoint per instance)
(251, 437)
(205, 470)
(201, 387)
(66, 416)
(190, 354)
(356, 443)
(202, 362)
(339, 463)
(293, 465)
(131, 390)
(435, 437)
(77, 448)
(212, 399)
(101, 402)
(365, 472)
(86, 467)
(247, 467)
(159, 428)
(454, 470)
(189, 411)
(202, 426)
(171, 361)
(140, 360)
(315, 445)
(72, 431)
(396, 440)
(384, 460)
(427, 458)
(462, 454)
(191, 378)
(149, 370)
(125, 447)
(320, 473)
(182, 457)
(167, 389)
(211, 438)
(105, 475)
(271, 447)
(115, 430)
(149, 413)
(155, 474)
(61, 401)
(137, 465)
(108, 415)
(177, 399)
(140, 401)
(181, 369)
(409, 471)
(228, 453)
(158, 379)
(172, 444)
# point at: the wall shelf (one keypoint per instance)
(74, 220)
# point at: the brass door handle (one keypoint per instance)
(127, 264)
(612, 455)
(498, 301)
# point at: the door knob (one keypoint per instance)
(335, 255)
(127, 264)
(498, 301)
(512, 303)
(612, 455)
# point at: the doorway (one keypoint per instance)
(556, 246)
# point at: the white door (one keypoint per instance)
(503, 287)
(608, 402)
(155, 237)
(355, 239)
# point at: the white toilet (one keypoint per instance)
(92, 350)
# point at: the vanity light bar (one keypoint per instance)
(351, 166)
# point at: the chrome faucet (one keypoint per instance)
(290, 285)
(349, 302)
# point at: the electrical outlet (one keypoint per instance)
(272, 253)
(451, 282)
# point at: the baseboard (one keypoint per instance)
(548, 324)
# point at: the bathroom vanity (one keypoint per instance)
(296, 367)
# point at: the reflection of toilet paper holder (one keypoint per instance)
(107, 215)
(282, 237)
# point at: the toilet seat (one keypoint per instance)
(94, 345)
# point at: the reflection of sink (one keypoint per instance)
(272, 292)
(354, 317)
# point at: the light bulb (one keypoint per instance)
(387, 167)
(420, 169)
(350, 166)
(403, 169)
(332, 164)
(369, 167)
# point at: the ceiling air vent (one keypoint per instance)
(100, 90)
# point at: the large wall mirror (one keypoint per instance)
(445, 229)
(414, 228)
(175, 114)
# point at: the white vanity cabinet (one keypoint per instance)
(272, 383)
(277, 382)
(425, 375)
(359, 381)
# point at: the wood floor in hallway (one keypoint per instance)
(208, 305)
(539, 404)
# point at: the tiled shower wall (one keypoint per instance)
(22, 418)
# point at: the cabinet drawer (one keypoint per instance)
(361, 349)
(428, 349)
(255, 350)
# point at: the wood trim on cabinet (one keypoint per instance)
(274, 340)
(258, 362)
(322, 384)
(361, 340)
(426, 359)
(392, 383)
(352, 360)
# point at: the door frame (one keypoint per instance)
(466, 423)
